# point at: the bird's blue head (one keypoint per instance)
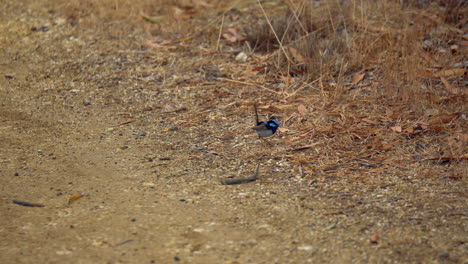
(272, 124)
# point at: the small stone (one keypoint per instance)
(242, 57)
(44, 28)
(444, 255)
(305, 248)
(141, 133)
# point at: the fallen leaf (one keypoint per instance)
(229, 38)
(184, 12)
(393, 114)
(302, 109)
(357, 78)
(450, 72)
(389, 113)
(299, 58)
(449, 87)
(431, 112)
(152, 20)
(390, 145)
(232, 36)
(396, 129)
(283, 129)
(305, 147)
(443, 119)
(429, 59)
(370, 121)
(375, 169)
(75, 197)
(330, 227)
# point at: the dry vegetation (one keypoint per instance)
(371, 95)
(378, 79)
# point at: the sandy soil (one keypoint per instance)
(83, 115)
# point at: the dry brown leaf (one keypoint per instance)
(357, 78)
(389, 113)
(443, 119)
(396, 129)
(392, 114)
(183, 13)
(248, 73)
(302, 109)
(304, 147)
(286, 107)
(450, 72)
(370, 121)
(390, 145)
(429, 59)
(75, 197)
(232, 36)
(229, 38)
(438, 128)
(299, 58)
(449, 87)
(283, 129)
(375, 169)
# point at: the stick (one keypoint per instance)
(27, 204)
(251, 178)
(256, 114)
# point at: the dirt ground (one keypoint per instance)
(147, 139)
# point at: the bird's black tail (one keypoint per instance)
(256, 114)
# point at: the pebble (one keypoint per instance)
(141, 133)
(201, 148)
(44, 28)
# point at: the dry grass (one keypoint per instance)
(367, 73)
(393, 42)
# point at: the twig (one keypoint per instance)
(273, 30)
(251, 178)
(28, 204)
(122, 243)
(127, 122)
(220, 32)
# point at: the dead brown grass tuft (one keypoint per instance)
(401, 45)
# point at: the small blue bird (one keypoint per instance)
(265, 128)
